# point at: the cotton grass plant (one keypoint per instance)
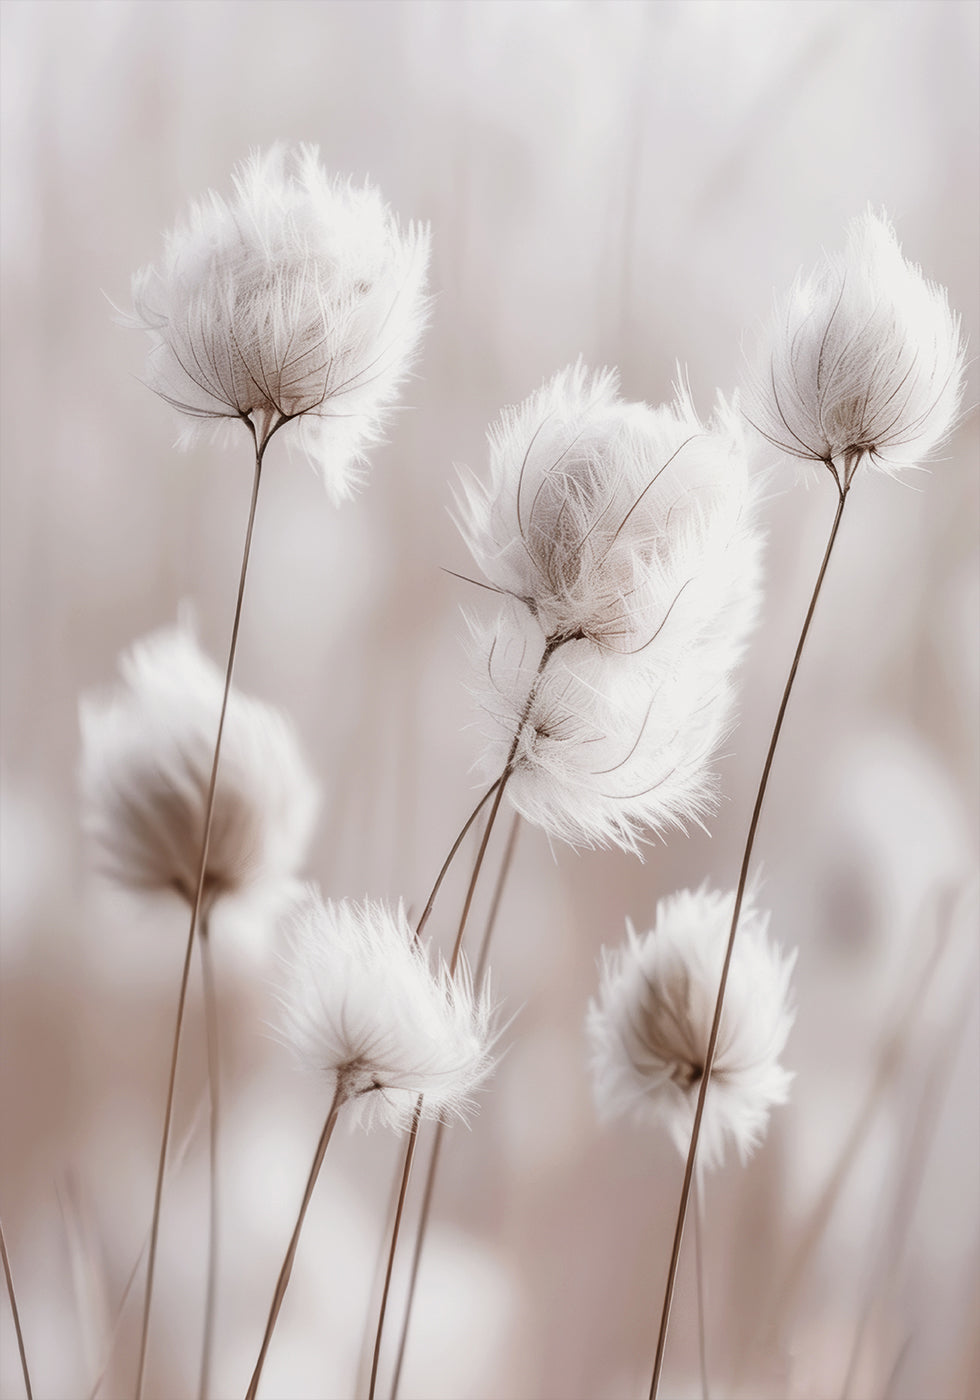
(145, 779)
(861, 368)
(297, 304)
(393, 1039)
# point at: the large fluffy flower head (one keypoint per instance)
(863, 361)
(650, 1024)
(299, 300)
(598, 513)
(146, 760)
(363, 1007)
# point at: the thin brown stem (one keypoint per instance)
(892, 1051)
(413, 1138)
(550, 646)
(430, 1179)
(195, 916)
(719, 1003)
(699, 1268)
(16, 1315)
(282, 1283)
(454, 848)
(214, 1092)
(176, 1161)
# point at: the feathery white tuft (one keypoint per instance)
(145, 770)
(363, 1007)
(650, 1026)
(607, 518)
(299, 300)
(863, 361)
(608, 753)
(625, 540)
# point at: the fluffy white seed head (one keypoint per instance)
(650, 1025)
(145, 771)
(298, 299)
(863, 360)
(607, 753)
(624, 538)
(602, 516)
(362, 1007)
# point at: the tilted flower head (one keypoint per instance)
(363, 1007)
(606, 752)
(863, 361)
(650, 1026)
(299, 300)
(606, 518)
(146, 762)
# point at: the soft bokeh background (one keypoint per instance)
(625, 181)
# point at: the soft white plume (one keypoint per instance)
(145, 770)
(650, 1025)
(363, 1007)
(298, 300)
(610, 520)
(624, 538)
(863, 360)
(607, 752)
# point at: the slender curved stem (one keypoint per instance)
(699, 1265)
(410, 1146)
(195, 916)
(719, 1003)
(16, 1315)
(282, 1283)
(430, 1179)
(214, 1091)
(454, 848)
(550, 646)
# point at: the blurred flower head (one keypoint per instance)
(363, 1007)
(650, 1025)
(146, 761)
(299, 301)
(607, 518)
(863, 361)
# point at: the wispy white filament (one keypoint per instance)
(863, 360)
(362, 1007)
(650, 1024)
(298, 299)
(147, 751)
(623, 538)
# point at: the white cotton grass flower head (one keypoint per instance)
(298, 301)
(863, 360)
(650, 1024)
(147, 752)
(607, 753)
(624, 537)
(609, 519)
(362, 1006)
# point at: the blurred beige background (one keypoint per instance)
(625, 181)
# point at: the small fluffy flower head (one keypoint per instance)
(145, 771)
(363, 1007)
(299, 300)
(650, 1025)
(863, 361)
